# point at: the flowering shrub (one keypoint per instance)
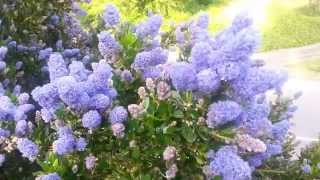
(120, 108)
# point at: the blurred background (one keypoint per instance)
(290, 33)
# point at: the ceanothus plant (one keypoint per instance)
(136, 114)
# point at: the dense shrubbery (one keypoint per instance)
(113, 105)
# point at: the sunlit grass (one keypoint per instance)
(288, 23)
(291, 23)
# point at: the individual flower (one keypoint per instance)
(136, 110)
(118, 115)
(23, 98)
(91, 119)
(44, 54)
(47, 115)
(150, 84)
(28, 149)
(3, 66)
(169, 153)
(223, 112)
(90, 162)
(19, 65)
(172, 171)
(111, 15)
(81, 144)
(70, 53)
(2, 159)
(208, 172)
(3, 52)
(4, 133)
(306, 168)
(163, 90)
(126, 76)
(22, 128)
(142, 92)
(250, 144)
(118, 130)
(203, 21)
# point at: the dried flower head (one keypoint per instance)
(163, 90)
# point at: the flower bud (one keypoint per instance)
(169, 153)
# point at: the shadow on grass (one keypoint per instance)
(194, 6)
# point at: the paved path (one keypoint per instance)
(307, 117)
(284, 57)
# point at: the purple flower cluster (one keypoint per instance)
(91, 119)
(228, 164)
(28, 149)
(87, 92)
(147, 62)
(108, 46)
(51, 176)
(67, 142)
(75, 87)
(3, 52)
(223, 112)
(111, 15)
(117, 117)
(149, 28)
(222, 66)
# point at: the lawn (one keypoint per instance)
(291, 23)
(288, 23)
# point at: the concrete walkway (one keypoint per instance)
(284, 57)
(307, 117)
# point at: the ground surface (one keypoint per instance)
(307, 118)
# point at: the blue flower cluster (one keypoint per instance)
(108, 46)
(85, 91)
(67, 142)
(28, 148)
(51, 176)
(222, 64)
(76, 87)
(3, 52)
(149, 28)
(111, 15)
(147, 62)
(229, 165)
(17, 113)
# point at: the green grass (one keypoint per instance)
(181, 10)
(291, 23)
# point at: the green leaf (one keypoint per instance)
(146, 103)
(146, 177)
(188, 134)
(178, 114)
(135, 154)
(55, 164)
